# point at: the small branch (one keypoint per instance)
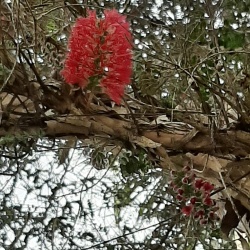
(132, 116)
(230, 184)
(33, 68)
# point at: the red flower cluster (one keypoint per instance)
(193, 195)
(100, 52)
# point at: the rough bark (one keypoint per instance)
(221, 155)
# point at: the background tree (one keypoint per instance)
(187, 105)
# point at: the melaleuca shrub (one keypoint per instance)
(193, 196)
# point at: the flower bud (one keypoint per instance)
(180, 191)
(193, 200)
(179, 197)
(187, 210)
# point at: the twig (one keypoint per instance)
(230, 184)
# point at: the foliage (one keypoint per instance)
(79, 171)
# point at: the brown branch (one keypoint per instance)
(230, 184)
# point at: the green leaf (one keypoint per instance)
(231, 40)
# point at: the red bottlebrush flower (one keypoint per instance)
(180, 191)
(203, 221)
(199, 214)
(80, 61)
(212, 216)
(187, 210)
(198, 183)
(207, 187)
(208, 201)
(196, 216)
(193, 200)
(100, 49)
(185, 180)
(179, 197)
